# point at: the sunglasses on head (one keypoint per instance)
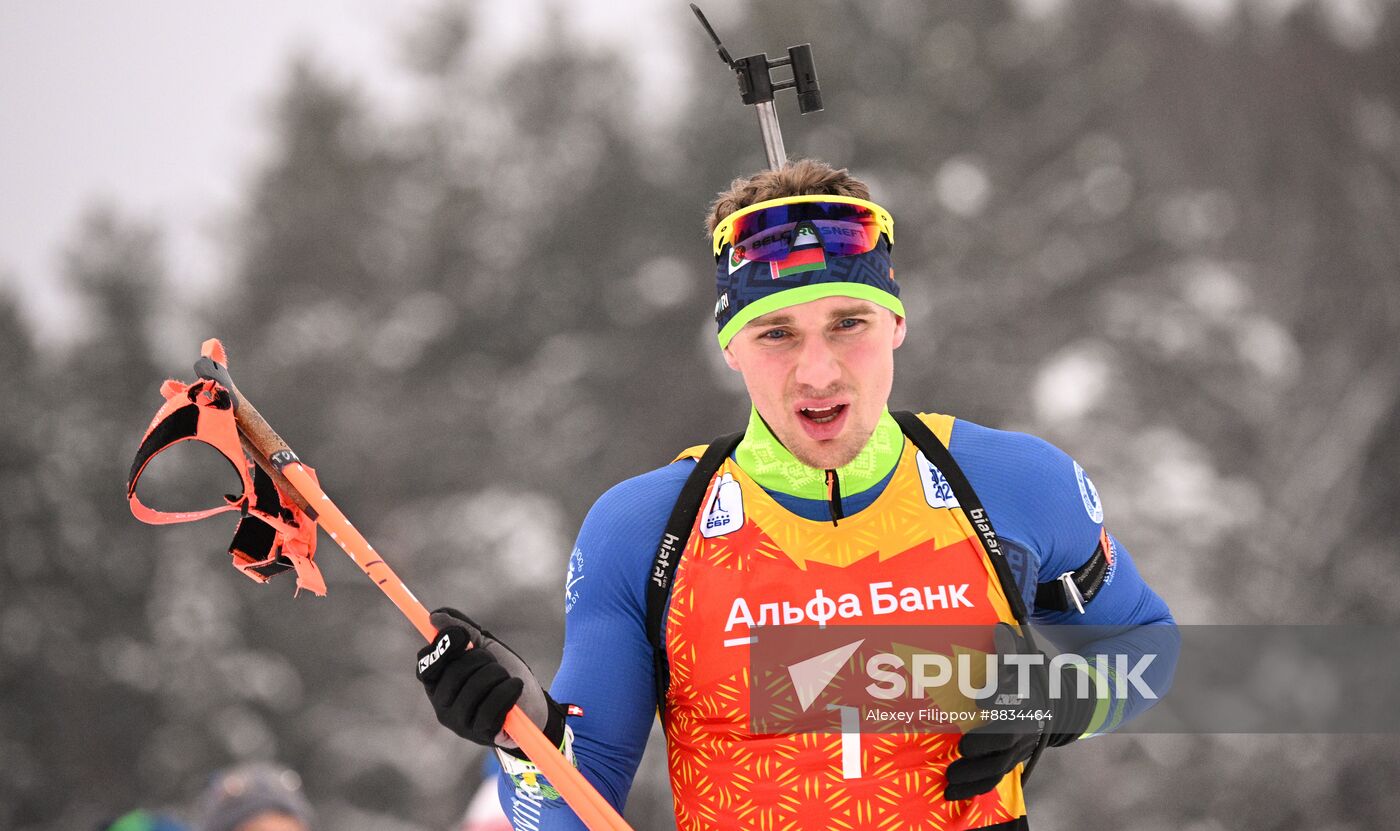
(769, 231)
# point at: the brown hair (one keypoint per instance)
(800, 178)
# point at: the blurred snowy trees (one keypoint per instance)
(1166, 242)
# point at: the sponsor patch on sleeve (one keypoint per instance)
(572, 579)
(1089, 494)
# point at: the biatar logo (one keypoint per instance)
(571, 579)
(725, 511)
(937, 491)
(431, 658)
(1089, 494)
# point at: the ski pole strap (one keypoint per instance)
(1073, 589)
(260, 441)
(272, 535)
(669, 550)
(191, 412)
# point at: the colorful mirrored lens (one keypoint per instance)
(770, 234)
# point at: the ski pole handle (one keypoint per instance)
(295, 479)
(259, 440)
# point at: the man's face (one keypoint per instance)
(819, 374)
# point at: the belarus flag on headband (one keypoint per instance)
(806, 255)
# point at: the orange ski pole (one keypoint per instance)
(274, 456)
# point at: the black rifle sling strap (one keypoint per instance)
(668, 552)
(1069, 591)
(941, 458)
(933, 450)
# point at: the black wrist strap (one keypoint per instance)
(1073, 589)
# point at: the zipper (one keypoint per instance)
(833, 496)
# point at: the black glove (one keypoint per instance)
(989, 752)
(472, 689)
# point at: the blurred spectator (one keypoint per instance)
(141, 821)
(256, 797)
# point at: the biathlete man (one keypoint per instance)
(826, 495)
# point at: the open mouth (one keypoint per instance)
(822, 415)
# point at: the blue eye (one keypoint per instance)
(773, 334)
(849, 323)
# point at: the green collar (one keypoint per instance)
(774, 467)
